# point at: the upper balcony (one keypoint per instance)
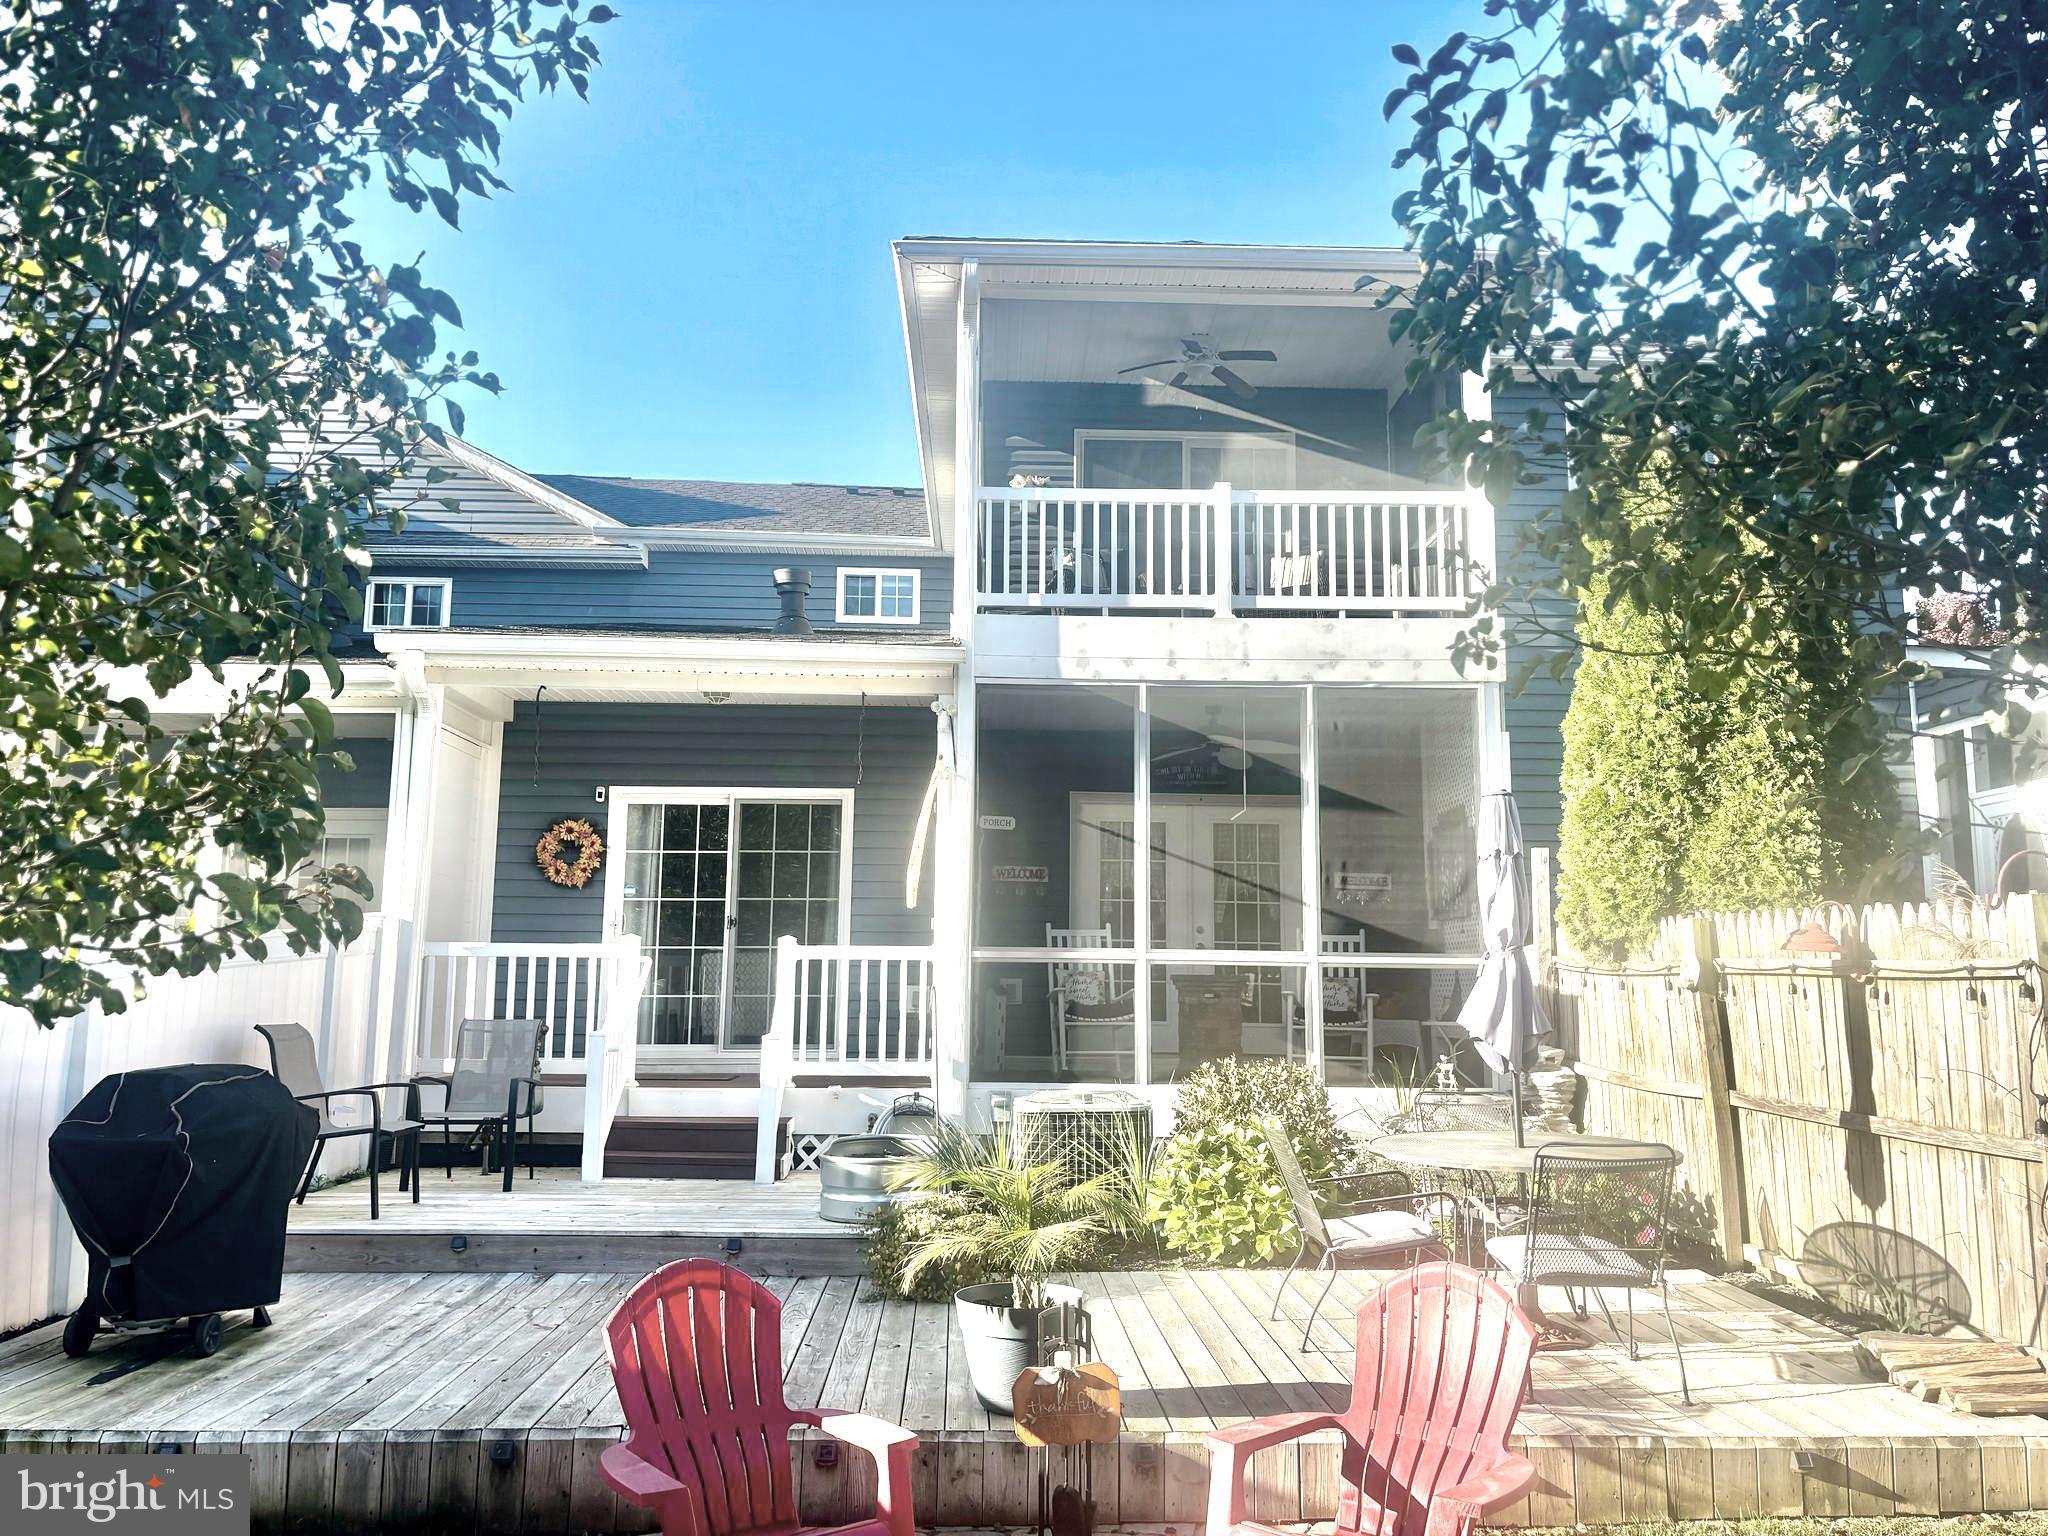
(1226, 552)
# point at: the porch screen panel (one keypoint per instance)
(788, 884)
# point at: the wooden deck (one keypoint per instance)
(374, 1402)
(553, 1223)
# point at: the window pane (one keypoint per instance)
(426, 605)
(1064, 1021)
(860, 596)
(1202, 1012)
(898, 596)
(387, 603)
(1400, 808)
(1390, 1027)
(1226, 796)
(1056, 770)
(1132, 463)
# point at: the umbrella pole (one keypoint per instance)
(1515, 1092)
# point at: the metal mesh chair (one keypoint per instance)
(1370, 1230)
(295, 1063)
(493, 1085)
(1597, 1221)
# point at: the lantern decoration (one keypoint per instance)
(570, 852)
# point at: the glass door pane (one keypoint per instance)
(788, 883)
(674, 903)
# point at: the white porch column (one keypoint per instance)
(954, 874)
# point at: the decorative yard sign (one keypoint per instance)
(569, 852)
(1067, 1404)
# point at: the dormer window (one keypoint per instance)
(408, 604)
(878, 596)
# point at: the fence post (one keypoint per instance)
(1224, 543)
(1701, 973)
(778, 1048)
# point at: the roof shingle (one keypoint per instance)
(716, 506)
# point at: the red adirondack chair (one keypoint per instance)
(696, 1353)
(1441, 1372)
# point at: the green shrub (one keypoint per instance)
(1687, 789)
(1239, 1091)
(1218, 1198)
(897, 1231)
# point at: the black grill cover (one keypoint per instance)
(178, 1180)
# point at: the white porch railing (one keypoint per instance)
(1047, 548)
(1405, 551)
(611, 1054)
(562, 985)
(844, 1013)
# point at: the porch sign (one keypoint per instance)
(172, 1495)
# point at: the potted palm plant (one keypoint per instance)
(1022, 1221)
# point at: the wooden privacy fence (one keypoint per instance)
(1869, 1124)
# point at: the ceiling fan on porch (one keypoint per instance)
(1199, 362)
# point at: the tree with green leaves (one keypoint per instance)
(208, 388)
(1790, 250)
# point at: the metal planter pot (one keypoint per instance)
(1002, 1340)
(855, 1174)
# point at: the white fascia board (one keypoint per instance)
(914, 356)
(366, 686)
(521, 483)
(539, 650)
(995, 253)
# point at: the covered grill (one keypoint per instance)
(178, 1179)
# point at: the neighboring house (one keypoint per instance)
(1175, 566)
(1980, 793)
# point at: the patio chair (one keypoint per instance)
(1441, 1370)
(1373, 1230)
(1597, 1221)
(295, 1063)
(495, 1083)
(696, 1355)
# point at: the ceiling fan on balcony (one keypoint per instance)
(1199, 362)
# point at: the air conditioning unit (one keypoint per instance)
(1084, 1131)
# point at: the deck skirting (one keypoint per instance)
(446, 1480)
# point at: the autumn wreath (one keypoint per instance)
(569, 852)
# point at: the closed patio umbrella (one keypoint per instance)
(1503, 1014)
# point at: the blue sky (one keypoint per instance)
(690, 275)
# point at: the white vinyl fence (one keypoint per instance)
(348, 998)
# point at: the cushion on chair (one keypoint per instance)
(1561, 1259)
(1117, 1010)
(1385, 1231)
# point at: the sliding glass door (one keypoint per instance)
(707, 884)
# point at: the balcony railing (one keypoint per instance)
(1311, 552)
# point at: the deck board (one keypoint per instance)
(374, 1382)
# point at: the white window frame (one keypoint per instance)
(879, 572)
(411, 584)
(1083, 436)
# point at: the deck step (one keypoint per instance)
(685, 1147)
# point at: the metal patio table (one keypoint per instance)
(1491, 1159)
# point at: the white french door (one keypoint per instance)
(1221, 871)
(707, 881)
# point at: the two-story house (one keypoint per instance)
(1133, 738)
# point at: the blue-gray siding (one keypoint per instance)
(884, 757)
(1535, 715)
(683, 589)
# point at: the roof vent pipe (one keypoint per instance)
(792, 585)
